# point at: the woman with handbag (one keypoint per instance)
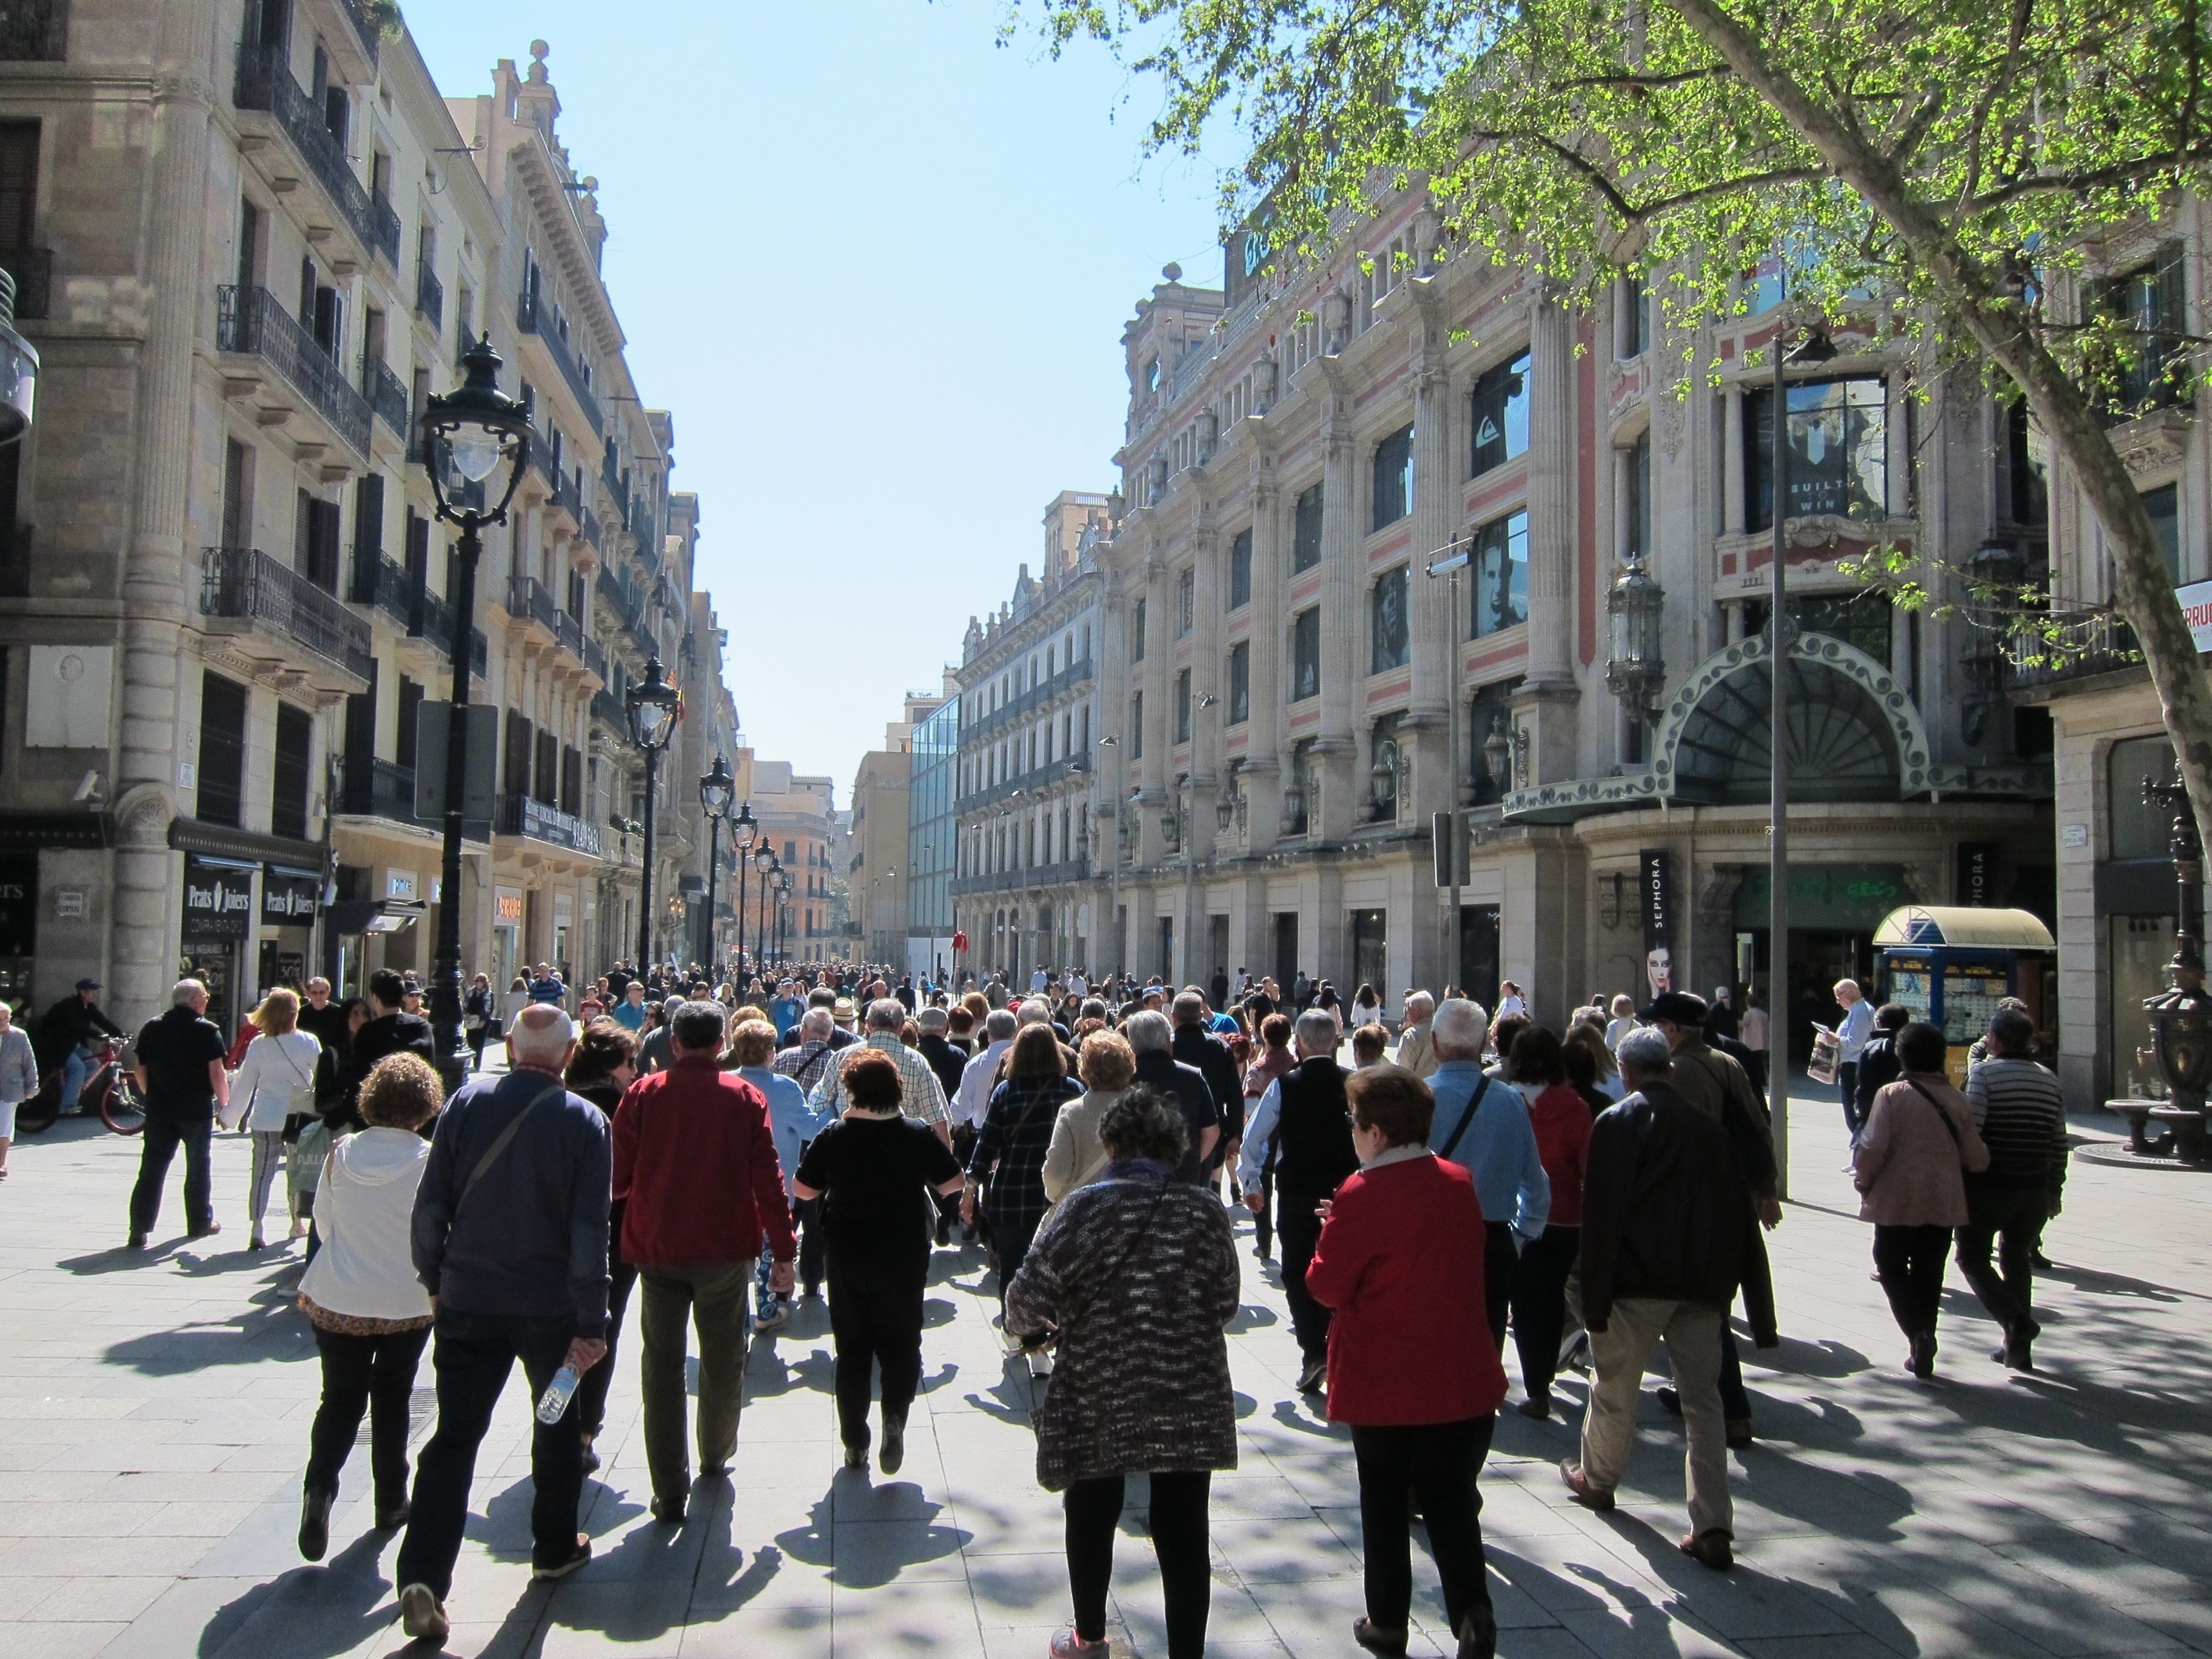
(1137, 1272)
(1006, 1172)
(480, 1018)
(1076, 1157)
(1913, 1152)
(275, 1079)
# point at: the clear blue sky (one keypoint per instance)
(877, 267)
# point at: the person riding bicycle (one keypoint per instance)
(65, 1033)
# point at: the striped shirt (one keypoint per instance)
(920, 1095)
(2022, 1117)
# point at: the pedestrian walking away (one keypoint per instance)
(1006, 1172)
(370, 1314)
(1137, 1275)
(19, 1078)
(1561, 1119)
(274, 1083)
(2022, 1117)
(1412, 1367)
(181, 1072)
(510, 1239)
(603, 1065)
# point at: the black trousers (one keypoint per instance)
(1540, 1305)
(875, 1320)
(1010, 1237)
(474, 1356)
(1439, 1463)
(591, 1390)
(2010, 1219)
(1298, 1230)
(1263, 1219)
(164, 1134)
(1910, 1260)
(1501, 1266)
(371, 1374)
(806, 1215)
(1181, 1540)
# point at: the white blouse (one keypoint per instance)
(275, 1079)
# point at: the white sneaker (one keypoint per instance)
(1040, 1363)
(422, 1616)
(777, 1317)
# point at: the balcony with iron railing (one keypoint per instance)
(250, 322)
(595, 659)
(520, 815)
(1075, 674)
(568, 628)
(1036, 778)
(380, 583)
(2078, 651)
(243, 584)
(611, 474)
(384, 789)
(1063, 873)
(529, 599)
(607, 709)
(563, 499)
(587, 532)
(265, 85)
(365, 27)
(385, 395)
(536, 322)
(429, 296)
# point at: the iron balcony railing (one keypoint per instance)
(607, 709)
(265, 82)
(518, 815)
(532, 319)
(588, 530)
(429, 295)
(34, 32)
(251, 320)
(364, 26)
(381, 582)
(244, 583)
(384, 789)
(564, 495)
(595, 657)
(1075, 674)
(2100, 645)
(569, 629)
(32, 270)
(528, 597)
(385, 395)
(1036, 778)
(1061, 874)
(437, 627)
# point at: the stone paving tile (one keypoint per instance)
(165, 1399)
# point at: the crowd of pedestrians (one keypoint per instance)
(726, 1145)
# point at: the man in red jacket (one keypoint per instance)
(695, 1154)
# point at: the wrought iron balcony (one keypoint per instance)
(265, 82)
(437, 627)
(364, 26)
(610, 475)
(607, 709)
(527, 597)
(34, 32)
(569, 629)
(384, 789)
(595, 657)
(518, 815)
(588, 530)
(250, 320)
(244, 583)
(2101, 645)
(381, 582)
(534, 320)
(429, 296)
(385, 395)
(32, 270)
(564, 496)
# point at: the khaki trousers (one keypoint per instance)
(711, 1294)
(1617, 1356)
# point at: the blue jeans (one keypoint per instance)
(1847, 1084)
(76, 1070)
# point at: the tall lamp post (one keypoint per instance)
(1120, 943)
(652, 704)
(468, 434)
(714, 791)
(782, 903)
(744, 831)
(768, 867)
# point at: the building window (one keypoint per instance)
(1137, 726)
(1137, 633)
(1185, 601)
(1394, 477)
(1305, 654)
(1305, 531)
(2164, 505)
(1500, 415)
(287, 794)
(1838, 438)
(1182, 707)
(1387, 615)
(2149, 303)
(1633, 319)
(1501, 574)
(221, 795)
(1637, 516)
(1240, 682)
(1240, 571)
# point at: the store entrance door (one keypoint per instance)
(1818, 957)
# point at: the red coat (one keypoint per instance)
(696, 1158)
(1561, 1120)
(1399, 1260)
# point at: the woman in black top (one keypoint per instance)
(605, 1064)
(1006, 1172)
(874, 1168)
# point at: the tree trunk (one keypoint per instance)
(2142, 586)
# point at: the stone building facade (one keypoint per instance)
(877, 869)
(1285, 676)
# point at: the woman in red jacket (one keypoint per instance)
(1412, 1366)
(1562, 1120)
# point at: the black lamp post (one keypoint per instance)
(742, 833)
(653, 703)
(714, 791)
(768, 867)
(782, 898)
(468, 435)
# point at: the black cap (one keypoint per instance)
(88, 985)
(1675, 1007)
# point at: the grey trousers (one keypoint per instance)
(1617, 1357)
(711, 1294)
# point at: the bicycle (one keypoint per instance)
(111, 1091)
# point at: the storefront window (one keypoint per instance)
(2141, 948)
(1838, 437)
(2138, 830)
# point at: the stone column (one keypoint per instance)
(1732, 481)
(1156, 678)
(1265, 753)
(1205, 682)
(1551, 491)
(1342, 584)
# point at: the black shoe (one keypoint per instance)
(668, 1511)
(1313, 1376)
(2041, 1262)
(1670, 1403)
(314, 1524)
(391, 1517)
(1478, 1634)
(542, 1573)
(1537, 1406)
(137, 1241)
(856, 1457)
(1376, 1640)
(1921, 1361)
(894, 1447)
(590, 1459)
(944, 1234)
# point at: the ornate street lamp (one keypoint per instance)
(468, 435)
(744, 832)
(714, 791)
(18, 370)
(2181, 1015)
(655, 705)
(783, 898)
(768, 869)
(1638, 668)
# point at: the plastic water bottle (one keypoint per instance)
(558, 1393)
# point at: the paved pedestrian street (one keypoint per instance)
(156, 1412)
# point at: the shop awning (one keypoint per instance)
(351, 916)
(1965, 924)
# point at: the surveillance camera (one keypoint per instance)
(88, 790)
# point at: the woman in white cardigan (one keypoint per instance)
(19, 1078)
(370, 1314)
(275, 1079)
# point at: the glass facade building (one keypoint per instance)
(932, 840)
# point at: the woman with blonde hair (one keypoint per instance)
(1076, 1156)
(275, 1079)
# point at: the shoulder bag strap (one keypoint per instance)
(1940, 1111)
(500, 1142)
(1465, 1117)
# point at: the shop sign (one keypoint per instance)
(289, 897)
(218, 900)
(69, 903)
(1657, 899)
(399, 883)
(19, 904)
(1978, 874)
(506, 907)
(2195, 599)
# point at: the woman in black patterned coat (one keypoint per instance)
(1006, 1172)
(1138, 1273)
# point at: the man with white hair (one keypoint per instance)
(811, 1051)
(510, 1239)
(920, 1095)
(1415, 1051)
(1482, 1124)
(1304, 1117)
(180, 1073)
